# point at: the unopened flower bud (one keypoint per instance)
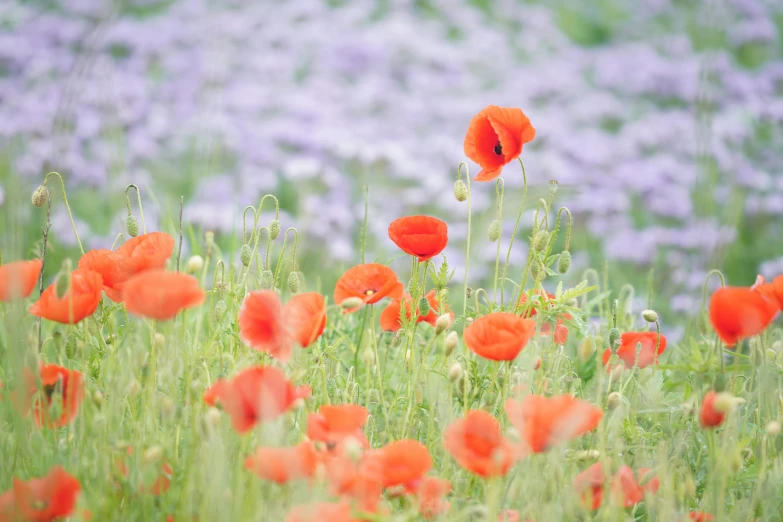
(220, 310)
(540, 241)
(159, 340)
(587, 455)
(349, 303)
(651, 316)
(725, 402)
(70, 346)
(494, 231)
(267, 280)
(97, 398)
(614, 337)
(63, 285)
(274, 229)
(564, 262)
(131, 225)
(368, 356)
(469, 321)
(468, 292)
(194, 265)
(424, 307)
(552, 187)
(617, 372)
(245, 255)
(585, 349)
(293, 282)
(614, 400)
(442, 323)
(450, 343)
(40, 196)
(331, 387)
(352, 448)
(455, 372)
(460, 190)
(153, 454)
(773, 428)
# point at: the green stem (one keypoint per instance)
(514, 234)
(141, 209)
(500, 189)
(67, 206)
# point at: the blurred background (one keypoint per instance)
(660, 120)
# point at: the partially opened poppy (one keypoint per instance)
(282, 465)
(370, 282)
(499, 336)
(739, 312)
(332, 424)
(305, 317)
(59, 386)
(262, 326)
(257, 394)
(429, 497)
(147, 251)
(18, 279)
(155, 483)
(710, 417)
(161, 295)
(398, 463)
(495, 138)
(322, 512)
(650, 350)
(544, 422)
(421, 236)
(52, 497)
(79, 302)
(114, 268)
(477, 444)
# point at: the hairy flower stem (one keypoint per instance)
(141, 208)
(244, 273)
(45, 231)
(364, 223)
(467, 241)
(67, 206)
(513, 235)
(500, 189)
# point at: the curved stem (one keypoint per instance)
(514, 234)
(282, 252)
(707, 280)
(244, 222)
(141, 209)
(67, 206)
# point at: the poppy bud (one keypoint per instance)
(494, 231)
(132, 226)
(455, 372)
(614, 336)
(40, 196)
(194, 265)
(460, 190)
(212, 417)
(443, 322)
(63, 285)
(540, 241)
(537, 363)
(613, 400)
(97, 398)
(70, 346)
(468, 321)
(350, 303)
(352, 448)
(424, 307)
(773, 428)
(552, 187)
(267, 280)
(725, 402)
(585, 348)
(469, 292)
(720, 383)
(245, 255)
(368, 356)
(274, 229)
(159, 340)
(564, 262)
(293, 282)
(651, 316)
(220, 310)
(331, 387)
(587, 455)
(450, 343)
(617, 372)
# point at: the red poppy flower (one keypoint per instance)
(305, 317)
(156, 484)
(282, 465)
(739, 312)
(334, 423)
(477, 445)
(772, 291)
(710, 417)
(17, 279)
(348, 477)
(44, 499)
(78, 303)
(422, 236)
(147, 251)
(546, 421)
(161, 295)
(398, 463)
(261, 324)
(700, 516)
(390, 317)
(60, 385)
(495, 138)
(258, 394)
(429, 497)
(627, 350)
(508, 515)
(113, 267)
(322, 512)
(499, 336)
(370, 283)
(626, 491)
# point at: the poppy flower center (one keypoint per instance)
(39, 505)
(49, 390)
(369, 292)
(498, 149)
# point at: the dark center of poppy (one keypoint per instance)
(49, 390)
(39, 505)
(498, 149)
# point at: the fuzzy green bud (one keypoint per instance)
(424, 306)
(220, 310)
(194, 265)
(70, 346)
(540, 241)
(455, 372)
(460, 190)
(40, 196)
(720, 383)
(350, 303)
(564, 262)
(538, 270)
(442, 323)
(331, 387)
(494, 231)
(245, 255)
(651, 316)
(613, 400)
(274, 229)
(293, 282)
(267, 280)
(62, 285)
(450, 343)
(131, 225)
(614, 337)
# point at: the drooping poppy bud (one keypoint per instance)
(460, 191)
(494, 231)
(132, 226)
(267, 280)
(245, 255)
(564, 262)
(293, 282)
(274, 229)
(40, 196)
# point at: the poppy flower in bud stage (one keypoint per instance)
(157, 484)
(499, 336)
(626, 489)
(161, 295)
(62, 393)
(477, 444)
(628, 347)
(495, 138)
(429, 497)
(561, 330)
(79, 302)
(421, 236)
(18, 279)
(147, 252)
(739, 312)
(370, 283)
(283, 465)
(709, 417)
(332, 424)
(544, 422)
(257, 394)
(390, 317)
(399, 463)
(322, 512)
(305, 317)
(44, 499)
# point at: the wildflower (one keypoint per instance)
(322, 512)
(508, 515)
(370, 283)
(399, 463)
(499, 336)
(333, 424)
(390, 317)
(460, 191)
(739, 312)
(305, 317)
(40, 196)
(79, 302)
(161, 295)
(561, 330)
(194, 265)
(450, 343)
(626, 490)
(772, 291)
(700, 516)
(421, 236)
(18, 279)
(43, 499)
(629, 353)
(156, 483)
(147, 251)
(547, 421)
(261, 323)
(349, 477)
(283, 465)
(478, 445)
(113, 268)
(710, 417)
(429, 497)
(257, 394)
(495, 138)
(63, 391)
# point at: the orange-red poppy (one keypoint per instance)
(429, 497)
(57, 384)
(44, 499)
(349, 478)
(421, 236)
(626, 489)
(739, 312)
(161, 295)
(495, 138)
(546, 421)
(257, 394)
(700, 516)
(322, 512)
(499, 336)
(157, 483)
(113, 267)
(78, 303)
(398, 463)
(772, 291)
(628, 348)
(332, 424)
(390, 317)
(709, 416)
(305, 317)
(17, 279)
(508, 515)
(262, 326)
(561, 330)
(147, 251)
(477, 444)
(282, 465)
(370, 282)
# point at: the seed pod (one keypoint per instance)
(460, 191)
(293, 282)
(494, 231)
(245, 255)
(267, 280)
(40, 196)
(132, 226)
(564, 262)
(274, 229)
